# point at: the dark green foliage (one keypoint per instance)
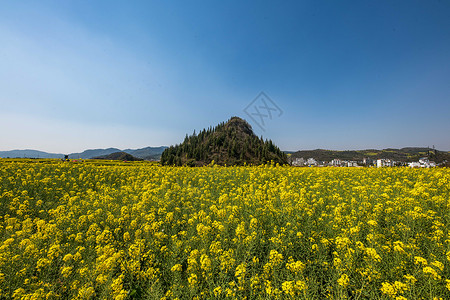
(119, 156)
(230, 143)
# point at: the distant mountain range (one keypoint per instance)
(154, 153)
(147, 153)
(28, 153)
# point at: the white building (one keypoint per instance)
(379, 163)
(385, 163)
(298, 161)
(335, 162)
(414, 164)
(424, 162)
(352, 164)
(311, 162)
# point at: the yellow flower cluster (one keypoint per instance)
(103, 230)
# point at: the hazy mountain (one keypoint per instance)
(91, 153)
(28, 153)
(148, 153)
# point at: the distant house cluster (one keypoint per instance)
(311, 162)
(367, 162)
(424, 162)
(343, 163)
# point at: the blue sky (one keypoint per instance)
(130, 74)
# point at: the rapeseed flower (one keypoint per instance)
(88, 230)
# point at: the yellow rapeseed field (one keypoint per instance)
(141, 231)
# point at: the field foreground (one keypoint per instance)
(141, 231)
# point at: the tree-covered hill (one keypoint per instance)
(230, 143)
(119, 156)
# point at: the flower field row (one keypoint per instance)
(142, 231)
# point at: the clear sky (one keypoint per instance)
(129, 74)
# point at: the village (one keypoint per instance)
(423, 162)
